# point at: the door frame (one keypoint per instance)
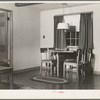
(11, 34)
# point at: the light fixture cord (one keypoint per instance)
(63, 7)
(63, 12)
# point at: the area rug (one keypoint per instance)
(53, 80)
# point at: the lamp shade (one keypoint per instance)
(63, 25)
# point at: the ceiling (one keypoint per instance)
(50, 6)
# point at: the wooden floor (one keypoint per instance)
(91, 82)
(24, 79)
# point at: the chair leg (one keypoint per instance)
(64, 71)
(84, 70)
(51, 69)
(69, 72)
(77, 73)
(46, 69)
(0, 78)
(41, 69)
(54, 71)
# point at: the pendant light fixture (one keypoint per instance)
(63, 25)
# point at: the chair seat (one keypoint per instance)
(48, 60)
(73, 63)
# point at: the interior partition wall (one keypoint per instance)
(6, 37)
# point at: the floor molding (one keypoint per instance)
(96, 72)
(26, 70)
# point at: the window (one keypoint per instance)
(72, 34)
(72, 38)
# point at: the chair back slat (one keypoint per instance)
(87, 55)
(78, 56)
(45, 53)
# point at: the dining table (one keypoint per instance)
(58, 52)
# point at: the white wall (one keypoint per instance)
(73, 20)
(26, 40)
(47, 27)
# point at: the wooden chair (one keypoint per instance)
(86, 60)
(6, 69)
(47, 62)
(70, 66)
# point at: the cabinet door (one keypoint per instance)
(3, 37)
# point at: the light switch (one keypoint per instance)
(43, 36)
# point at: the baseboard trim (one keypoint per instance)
(26, 70)
(96, 72)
